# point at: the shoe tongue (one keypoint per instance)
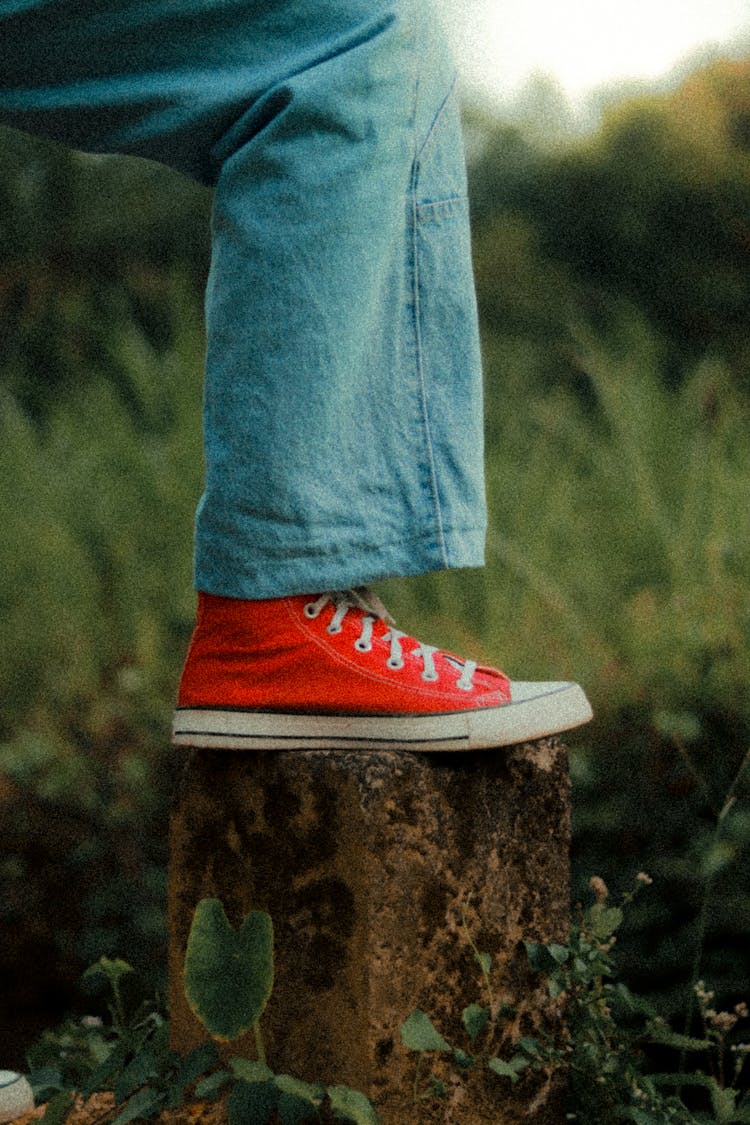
(369, 601)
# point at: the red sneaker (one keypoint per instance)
(332, 672)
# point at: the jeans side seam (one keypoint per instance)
(435, 505)
(422, 385)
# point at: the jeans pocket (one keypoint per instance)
(439, 167)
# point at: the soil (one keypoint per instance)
(100, 1110)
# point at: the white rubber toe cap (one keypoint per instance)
(537, 709)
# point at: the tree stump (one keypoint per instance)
(368, 864)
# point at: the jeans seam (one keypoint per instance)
(420, 539)
(435, 505)
(422, 388)
(433, 127)
(441, 208)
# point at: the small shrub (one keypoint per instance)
(228, 982)
(608, 1028)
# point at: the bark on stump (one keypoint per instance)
(365, 862)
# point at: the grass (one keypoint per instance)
(619, 542)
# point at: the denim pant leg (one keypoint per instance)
(343, 419)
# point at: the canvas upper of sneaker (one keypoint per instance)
(328, 654)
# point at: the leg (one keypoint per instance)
(343, 389)
(354, 446)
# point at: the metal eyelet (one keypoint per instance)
(430, 677)
(310, 611)
(394, 665)
(362, 646)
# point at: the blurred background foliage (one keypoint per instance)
(613, 276)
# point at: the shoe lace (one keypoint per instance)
(373, 610)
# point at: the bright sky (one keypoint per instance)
(583, 43)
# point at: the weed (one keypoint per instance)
(228, 981)
(601, 1048)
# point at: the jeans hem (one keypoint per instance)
(276, 577)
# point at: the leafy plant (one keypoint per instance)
(601, 1046)
(481, 1023)
(129, 1056)
(228, 982)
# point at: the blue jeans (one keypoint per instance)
(343, 413)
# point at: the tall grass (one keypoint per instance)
(619, 543)
(96, 511)
(619, 555)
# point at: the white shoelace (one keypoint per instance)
(374, 610)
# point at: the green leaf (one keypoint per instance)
(604, 920)
(638, 1005)
(254, 1102)
(350, 1105)
(419, 1034)
(58, 1108)
(313, 1092)
(540, 957)
(723, 1102)
(142, 1104)
(113, 970)
(474, 1019)
(690, 1078)
(200, 1060)
(174, 1095)
(137, 1073)
(558, 953)
(228, 972)
(662, 1034)
(250, 1070)
(45, 1080)
(104, 1074)
(485, 960)
(293, 1110)
(511, 1069)
(298, 1100)
(156, 1033)
(462, 1060)
(598, 967)
(210, 1087)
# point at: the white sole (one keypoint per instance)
(536, 710)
